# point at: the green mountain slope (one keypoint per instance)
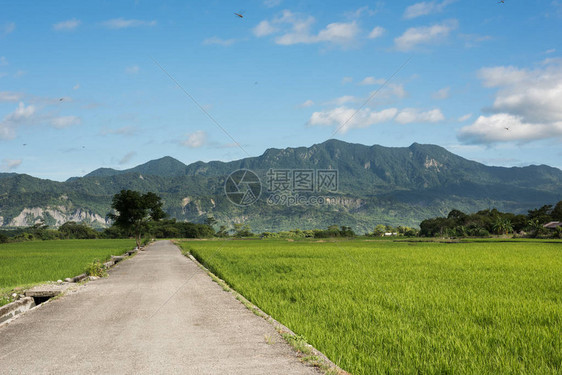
(399, 186)
(165, 167)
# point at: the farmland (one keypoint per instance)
(25, 263)
(407, 307)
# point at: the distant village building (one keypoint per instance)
(553, 224)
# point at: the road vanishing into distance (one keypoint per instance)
(156, 313)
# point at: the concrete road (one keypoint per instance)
(156, 313)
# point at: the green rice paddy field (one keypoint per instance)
(26, 263)
(407, 307)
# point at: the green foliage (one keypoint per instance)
(482, 223)
(540, 215)
(173, 229)
(334, 231)
(407, 307)
(79, 231)
(210, 221)
(135, 210)
(291, 234)
(502, 225)
(96, 268)
(113, 232)
(223, 231)
(556, 213)
(242, 230)
(379, 230)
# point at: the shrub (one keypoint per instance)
(96, 268)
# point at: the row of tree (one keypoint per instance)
(135, 215)
(487, 222)
(140, 215)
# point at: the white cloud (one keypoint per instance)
(3, 61)
(134, 69)
(264, 28)
(415, 36)
(299, 31)
(549, 51)
(425, 7)
(443, 93)
(10, 96)
(65, 121)
(8, 28)
(527, 102)
(195, 139)
(396, 89)
(557, 9)
(21, 116)
(343, 99)
(21, 113)
(219, 41)
(6, 132)
(372, 81)
(29, 115)
(504, 127)
(463, 118)
(533, 94)
(339, 33)
(377, 32)
(121, 23)
(295, 29)
(346, 80)
(10, 164)
(391, 89)
(307, 103)
(473, 40)
(127, 158)
(272, 3)
(349, 118)
(501, 75)
(125, 130)
(67, 25)
(409, 115)
(365, 10)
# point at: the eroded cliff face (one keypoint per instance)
(53, 216)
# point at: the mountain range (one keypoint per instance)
(376, 185)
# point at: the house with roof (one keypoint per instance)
(553, 225)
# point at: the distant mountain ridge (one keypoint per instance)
(392, 185)
(164, 167)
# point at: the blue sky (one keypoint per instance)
(81, 85)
